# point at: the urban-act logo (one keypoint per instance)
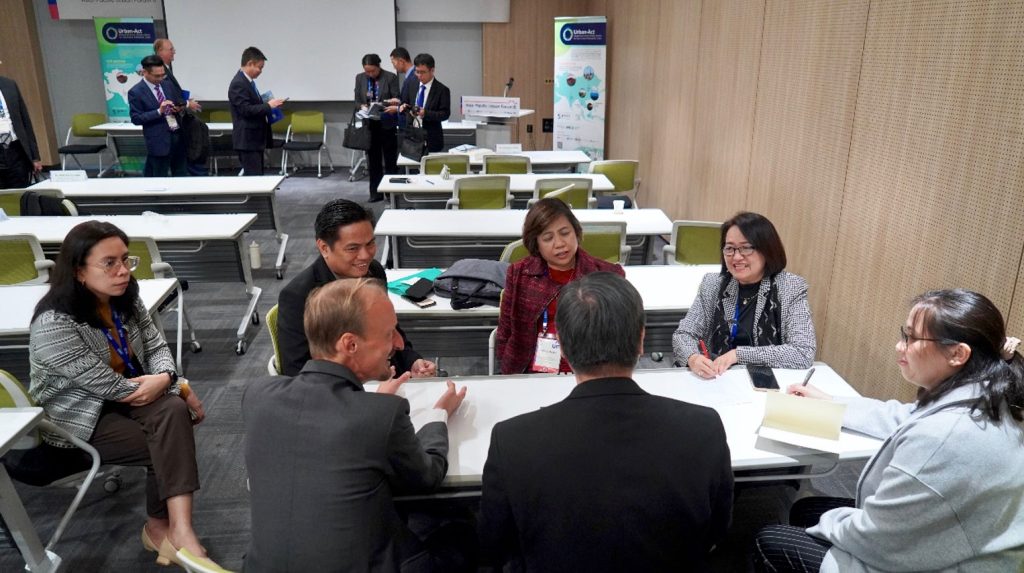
(129, 32)
(583, 33)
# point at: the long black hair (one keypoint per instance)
(962, 316)
(69, 296)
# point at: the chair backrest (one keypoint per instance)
(272, 329)
(606, 241)
(14, 395)
(22, 260)
(514, 251)
(510, 164)
(577, 192)
(307, 123)
(10, 201)
(151, 266)
(696, 242)
(82, 122)
(280, 127)
(220, 116)
(482, 192)
(458, 163)
(621, 172)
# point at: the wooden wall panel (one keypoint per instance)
(22, 60)
(806, 95)
(728, 59)
(933, 193)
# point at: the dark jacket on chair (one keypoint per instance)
(249, 116)
(438, 108)
(610, 479)
(291, 304)
(325, 459)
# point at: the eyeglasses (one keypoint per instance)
(111, 266)
(745, 250)
(907, 337)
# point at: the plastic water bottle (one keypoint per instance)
(446, 173)
(255, 261)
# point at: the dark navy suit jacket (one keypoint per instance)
(145, 111)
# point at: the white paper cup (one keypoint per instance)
(618, 205)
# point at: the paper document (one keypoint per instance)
(804, 422)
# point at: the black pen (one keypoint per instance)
(808, 377)
(429, 181)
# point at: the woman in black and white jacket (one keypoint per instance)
(101, 370)
(753, 311)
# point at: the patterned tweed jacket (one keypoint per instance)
(71, 376)
(798, 342)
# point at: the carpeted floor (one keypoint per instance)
(104, 534)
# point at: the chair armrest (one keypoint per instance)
(591, 202)
(452, 203)
(531, 202)
(160, 269)
(624, 254)
(44, 265)
(668, 252)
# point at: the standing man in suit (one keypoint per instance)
(375, 85)
(430, 100)
(325, 457)
(250, 115)
(402, 62)
(156, 104)
(344, 237)
(165, 49)
(611, 478)
(19, 155)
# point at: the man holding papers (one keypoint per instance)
(250, 115)
(611, 478)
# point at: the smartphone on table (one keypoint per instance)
(762, 377)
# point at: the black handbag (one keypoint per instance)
(412, 141)
(357, 136)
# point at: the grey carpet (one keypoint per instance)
(104, 534)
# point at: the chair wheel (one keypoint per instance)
(111, 484)
(241, 347)
(657, 356)
(279, 274)
(195, 347)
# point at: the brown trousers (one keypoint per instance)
(158, 436)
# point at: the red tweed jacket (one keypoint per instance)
(528, 290)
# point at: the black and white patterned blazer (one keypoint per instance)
(71, 376)
(799, 344)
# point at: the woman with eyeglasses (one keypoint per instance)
(753, 311)
(102, 371)
(944, 492)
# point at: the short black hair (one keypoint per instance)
(543, 213)
(252, 54)
(600, 322)
(152, 61)
(401, 54)
(424, 60)
(761, 234)
(336, 214)
(371, 60)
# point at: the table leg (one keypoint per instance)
(36, 558)
(282, 238)
(253, 291)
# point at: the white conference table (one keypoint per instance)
(19, 302)
(202, 248)
(15, 423)
(121, 129)
(490, 400)
(431, 191)
(553, 160)
(174, 195)
(432, 237)
(667, 292)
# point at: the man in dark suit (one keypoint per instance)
(612, 478)
(430, 100)
(156, 104)
(344, 237)
(250, 115)
(165, 49)
(375, 85)
(325, 457)
(19, 155)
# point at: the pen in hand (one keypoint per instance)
(808, 377)
(704, 349)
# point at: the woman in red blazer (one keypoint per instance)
(526, 327)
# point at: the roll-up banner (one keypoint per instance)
(580, 88)
(123, 42)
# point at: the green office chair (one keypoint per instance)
(81, 124)
(311, 124)
(10, 201)
(151, 266)
(514, 252)
(507, 164)
(22, 261)
(694, 243)
(576, 192)
(274, 365)
(606, 241)
(280, 127)
(481, 192)
(623, 175)
(458, 163)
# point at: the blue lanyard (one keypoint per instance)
(120, 347)
(735, 324)
(372, 89)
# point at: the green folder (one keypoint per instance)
(399, 286)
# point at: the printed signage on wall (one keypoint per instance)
(488, 106)
(123, 42)
(89, 9)
(580, 84)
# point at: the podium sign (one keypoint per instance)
(488, 106)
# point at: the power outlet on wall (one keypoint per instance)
(529, 128)
(547, 125)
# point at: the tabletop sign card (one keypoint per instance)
(804, 422)
(508, 148)
(488, 106)
(68, 176)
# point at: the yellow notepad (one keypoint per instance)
(804, 422)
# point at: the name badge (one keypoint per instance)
(548, 355)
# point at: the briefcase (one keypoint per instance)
(357, 135)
